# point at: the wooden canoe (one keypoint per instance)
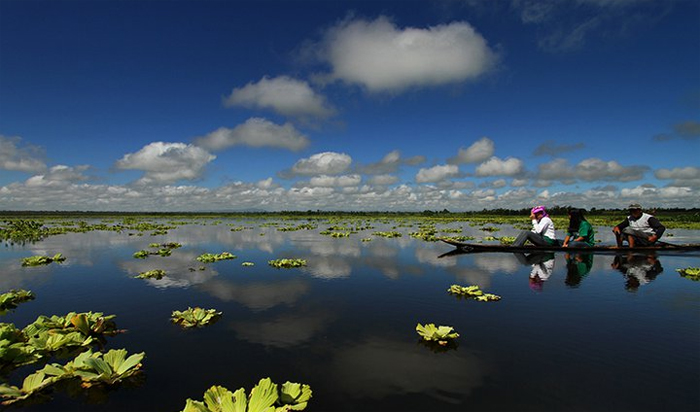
(495, 247)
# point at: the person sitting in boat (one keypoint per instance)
(639, 229)
(580, 233)
(542, 233)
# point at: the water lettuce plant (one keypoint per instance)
(195, 317)
(691, 273)
(11, 299)
(472, 292)
(151, 274)
(210, 257)
(266, 396)
(42, 260)
(91, 368)
(440, 334)
(164, 249)
(21, 231)
(287, 263)
(507, 240)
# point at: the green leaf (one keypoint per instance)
(240, 402)
(263, 396)
(80, 321)
(33, 382)
(218, 399)
(100, 366)
(130, 362)
(195, 406)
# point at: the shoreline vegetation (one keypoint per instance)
(672, 218)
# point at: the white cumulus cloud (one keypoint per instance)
(283, 94)
(479, 151)
(14, 156)
(436, 173)
(255, 132)
(500, 167)
(383, 57)
(328, 163)
(335, 181)
(167, 162)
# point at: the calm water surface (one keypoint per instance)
(603, 332)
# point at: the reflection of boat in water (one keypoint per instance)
(485, 247)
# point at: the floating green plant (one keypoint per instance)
(473, 292)
(21, 231)
(211, 257)
(195, 317)
(287, 263)
(440, 334)
(266, 396)
(91, 368)
(247, 264)
(389, 234)
(691, 273)
(507, 240)
(151, 274)
(11, 299)
(42, 260)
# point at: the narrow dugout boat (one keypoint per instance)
(485, 247)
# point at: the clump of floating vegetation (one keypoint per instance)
(163, 249)
(247, 264)
(389, 234)
(212, 257)
(441, 335)
(42, 260)
(459, 238)
(51, 336)
(90, 368)
(151, 274)
(265, 396)
(13, 298)
(506, 240)
(287, 263)
(195, 317)
(691, 273)
(473, 292)
(21, 231)
(303, 226)
(490, 229)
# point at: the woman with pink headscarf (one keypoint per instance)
(542, 233)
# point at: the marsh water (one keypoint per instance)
(601, 332)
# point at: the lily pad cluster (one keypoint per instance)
(473, 292)
(691, 273)
(13, 298)
(42, 260)
(266, 396)
(211, 257)
(195, 317)
(287, 263)
(90, 368)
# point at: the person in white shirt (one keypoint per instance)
(542, 233)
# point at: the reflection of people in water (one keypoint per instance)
(637, 268)
(542, 267)
(577, 267)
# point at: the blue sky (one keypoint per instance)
(348, 105)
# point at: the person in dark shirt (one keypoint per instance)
(639, 229)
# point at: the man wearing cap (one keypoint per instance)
(639, 229)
